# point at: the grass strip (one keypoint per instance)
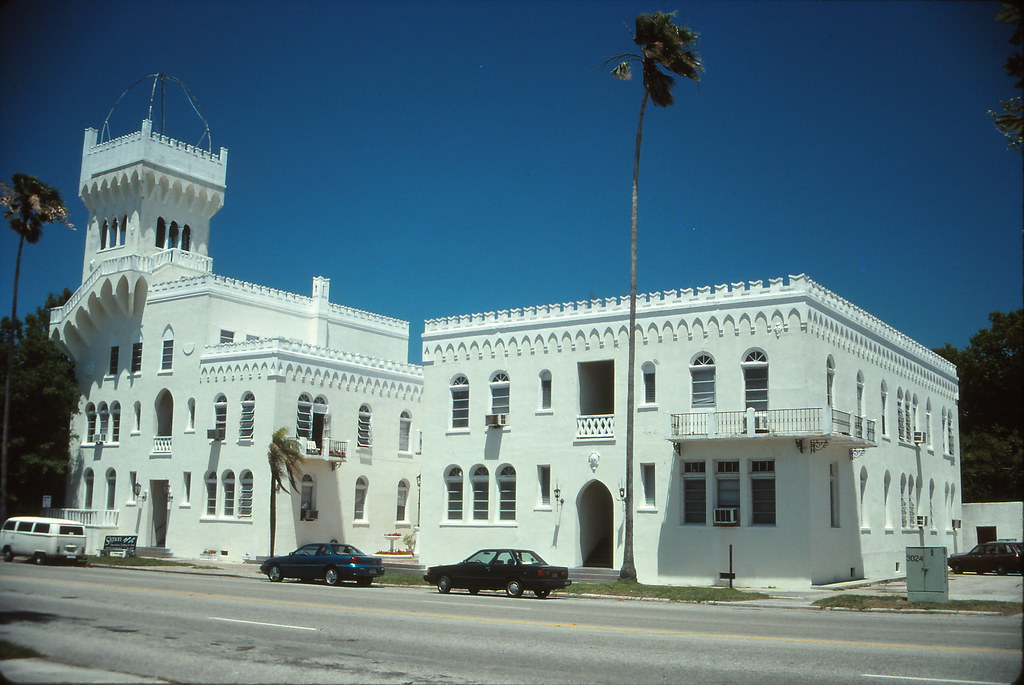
(866, 602)
(9, 650)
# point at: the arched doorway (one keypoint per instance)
(597, 525)
(164, 413)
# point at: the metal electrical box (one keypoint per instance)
(927, 579)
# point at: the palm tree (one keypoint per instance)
(30, 205)
(286, 460)
(665, 49)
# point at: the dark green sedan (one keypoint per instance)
(331, 562)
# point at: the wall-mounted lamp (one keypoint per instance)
(137, 489)
(170, 495)
(419, 479)
(558, 496)
(622, 494)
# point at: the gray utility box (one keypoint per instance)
(927, 579)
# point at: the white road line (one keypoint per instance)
(260, 623)
(930, 680)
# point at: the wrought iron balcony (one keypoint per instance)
(824, 422)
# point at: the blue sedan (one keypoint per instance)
(331, 561)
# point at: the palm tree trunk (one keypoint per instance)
(7, 384)
(628, 571)
(273, 513)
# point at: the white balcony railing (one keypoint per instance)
(815, 421)
(94, 518)
(161, 444)
(599, 426)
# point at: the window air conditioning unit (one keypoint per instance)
(727, 516)
(957, 523)
(922, 521)
(920, 437)
(496, 420)
(308, 515)
(215, 434)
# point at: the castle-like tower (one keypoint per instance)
(146, 192)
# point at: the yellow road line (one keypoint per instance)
(544, 624)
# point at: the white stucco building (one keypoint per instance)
(185, 375)
(776, 420)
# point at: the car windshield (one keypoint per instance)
(528, 557)
(484, 556)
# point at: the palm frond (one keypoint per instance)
(622, 71)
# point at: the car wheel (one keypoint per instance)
(274, 573)
(39, 558)
(364, 582)
(474, 590)
(444, 585)
(331, 576)
(1001, 569)
(543, 594)
(957, 569)
(514, 588)
(8, 554)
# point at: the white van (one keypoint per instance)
(42, 539)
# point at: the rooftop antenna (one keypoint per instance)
(161, 78)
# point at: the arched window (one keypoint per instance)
(364, 431)
(90, 422)
(104, 422)
(460, 402)
(228, 480)
(307, 500)
(103, 235)
(864, 523)
(137, 410)
(360, 501)
(884, 397)
(499, 393)
(404, 431)
(115, 422)
(481, 486)
(111, 488)
(860, 394)
(164, 406)
(321, 421)
(172, 236)
(403, 499)
(453, 483)
(886, 499)
(124, 230)
(245, 495)
(247, 416)
(913, 418)
(161, 232)
(702, 381)
(901, 426)
(950, 437)
(830, 380)
(167, 353)
(112, 242)
(191, 419)
(88, 480)
(545, 389)
(650, 390)
(755, 380)
(186, 238)
(211, 493)
(928, 423)
(220, 416)
(304, 416)
(507, 493)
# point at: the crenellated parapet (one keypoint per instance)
(156, 150)
(282, 359)
(795, 304)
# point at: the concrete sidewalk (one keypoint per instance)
(42, 670)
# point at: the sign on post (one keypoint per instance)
(927, 578)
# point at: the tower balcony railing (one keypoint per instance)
(821, 422)
(595, 427)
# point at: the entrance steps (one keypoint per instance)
(593, 574)
(154, 552)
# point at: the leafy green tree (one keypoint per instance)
(43, 399)
(1010, 121)
(991, 371)
(665, 49)
(286, 460)
(30, 204)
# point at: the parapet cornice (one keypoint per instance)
(717, 297)
(291, 350)
(247, 290)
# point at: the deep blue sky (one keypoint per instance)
(437, 158)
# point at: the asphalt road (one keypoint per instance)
(207, 629)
